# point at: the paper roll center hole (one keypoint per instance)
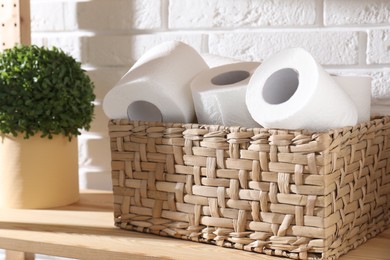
(144, 111)
(280, 86)
(230, 77)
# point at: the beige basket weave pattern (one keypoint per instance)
(287, 193)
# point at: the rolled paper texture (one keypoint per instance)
(214, 60)
(290, 90)
(358, 89)
(219, 95)
(157, 87)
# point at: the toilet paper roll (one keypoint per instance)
(157, 87)
(219, 95)
(292, 91)
(213, 60)
(358, 89)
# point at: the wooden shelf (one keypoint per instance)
(85, 230)
(14, 23)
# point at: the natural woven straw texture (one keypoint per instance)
(288, 193)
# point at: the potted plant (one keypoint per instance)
(45, 99)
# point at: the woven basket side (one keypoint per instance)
(360, 200)
(280, 192)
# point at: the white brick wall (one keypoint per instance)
(108, 36)
(328, 47)
(123, 50)
(378, 49)
(240, 13)
(357, 12)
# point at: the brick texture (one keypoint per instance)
(381, 87)
(355, 12)
(118, 15)
(378, 50)
(329, 48)
(240, 13)
(124, 50)
(94, 152)
(47, 16)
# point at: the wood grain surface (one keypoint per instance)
(85, 230)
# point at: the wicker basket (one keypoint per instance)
(289, 193)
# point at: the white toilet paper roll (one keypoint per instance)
(157, 87)
(359, 90)
(213, 60)
(219, 95)
(292, 91)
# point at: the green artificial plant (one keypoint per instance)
(43, 91)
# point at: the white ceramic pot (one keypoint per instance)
(38, 172)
